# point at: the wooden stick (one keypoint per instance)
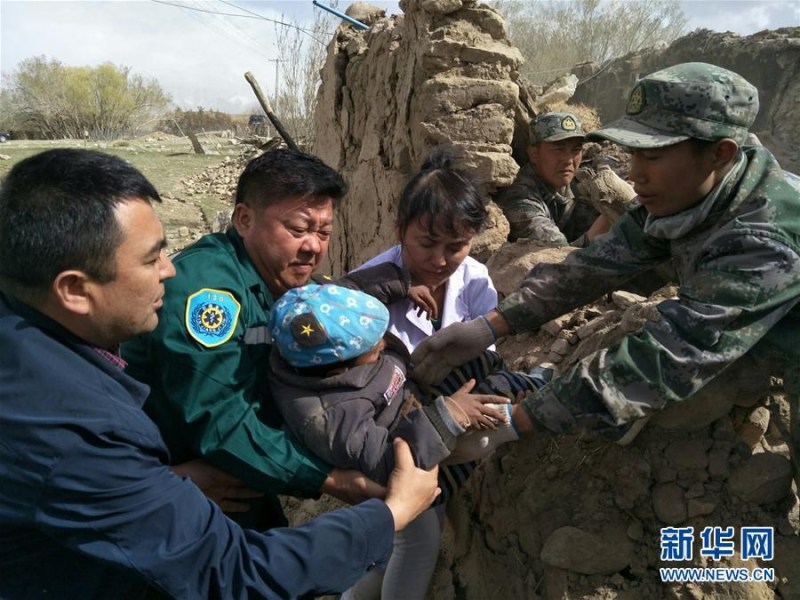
(262, 99)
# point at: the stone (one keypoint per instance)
(724, 431)
(575, 550)
(589, 328)
(689, 454)
(763, 478)
(561, 347)
(669, 504)
(632, 480)
(509, 266)
(491, 239)
(712, 402)
(555, 326)
(695, 490)
(625, 299)
(718, 462)
(635, 530)
(666, 474)
(753, 429)
(441, 7)
(364, 12)
(703, 505)
(637, 316)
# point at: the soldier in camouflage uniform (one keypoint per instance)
(540, 205)
(727, 216)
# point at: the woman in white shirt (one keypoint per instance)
(439, 213)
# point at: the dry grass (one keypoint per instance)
(163, 161)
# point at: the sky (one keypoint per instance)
(200, 58)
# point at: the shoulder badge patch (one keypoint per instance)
(636, 101)
(211, 316)
(568, 124)
(395, 385)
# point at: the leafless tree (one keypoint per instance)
(306, 48)
(554, 35)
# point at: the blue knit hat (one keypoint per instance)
(326, 324)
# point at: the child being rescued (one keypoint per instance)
(341, 385)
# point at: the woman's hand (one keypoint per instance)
(422, 298)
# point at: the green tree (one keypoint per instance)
(555, 35)
(56, 101)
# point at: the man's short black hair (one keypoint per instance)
(282, 174)
(57, 213)
(442, 197)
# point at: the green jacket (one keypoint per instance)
(212, 400)
(736, 255)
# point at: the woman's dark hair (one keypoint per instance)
(57, 212)
(443, 197)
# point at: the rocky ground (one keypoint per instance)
(578, 517)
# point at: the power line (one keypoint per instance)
(246, 16)
(241, 34)
(307, 32)
(222, 26)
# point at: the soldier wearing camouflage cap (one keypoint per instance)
(729, 219)
(540, 205)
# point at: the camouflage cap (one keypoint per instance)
(554, 126)
(689, 100)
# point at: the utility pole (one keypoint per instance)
(277, 62)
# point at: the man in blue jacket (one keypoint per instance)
(88, 507)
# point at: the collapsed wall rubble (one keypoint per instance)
(442, 72)
(576, 516)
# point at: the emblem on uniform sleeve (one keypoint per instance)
(635, 101)
(395, 385)
(211, 316)
(568, 124)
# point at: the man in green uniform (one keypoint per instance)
(206, 361)
(728, 217)
(540, 205)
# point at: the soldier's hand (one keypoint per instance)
(449, 348)
(411, 490)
